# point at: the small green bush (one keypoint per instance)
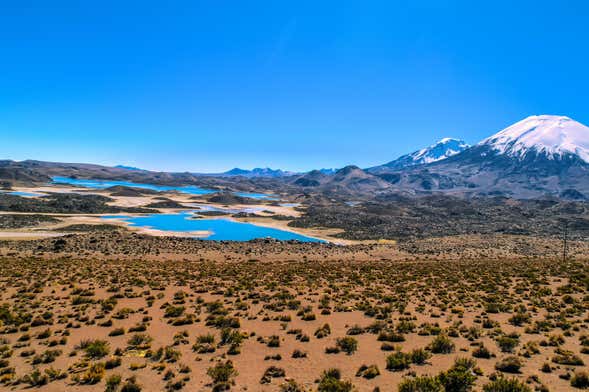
(442, 344)
(506, 385)
(348, 344)
(511, 364)
(398, 361)
(580, 380)
(421, 384)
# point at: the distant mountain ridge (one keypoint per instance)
(536, 157)
(258, 172)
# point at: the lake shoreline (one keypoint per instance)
(263, 220)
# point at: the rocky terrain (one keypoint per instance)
(113, 241)
(401, 217)
(68, 203)
(18, 221)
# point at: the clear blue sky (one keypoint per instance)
(209, 85)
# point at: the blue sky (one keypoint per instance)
(210, 85)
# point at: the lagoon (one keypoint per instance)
(220, 229)
(190, 189)
(23, 194)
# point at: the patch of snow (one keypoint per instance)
(443, 149)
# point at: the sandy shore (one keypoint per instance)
(27, 235)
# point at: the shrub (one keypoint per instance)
(398, 361)
(131, 386)
(348, 344)
(44, 334)
(223, 322)
(481, 352)
(555, 340)
(140, 341)
(222, 372)
(323, 331)
(510, 364)
(139, 327)
(270, 373)
(298, 354)
(112, 363)
(390, 336)
(79, 300)
(355, 330)
(47, 356)
(35, 379)
(502, 384)
(112, 383)
(368, 372)
(171, 354)
(203, 348)
(332, 350)
(519, 319)
(421, 384)
(441, 344)
(291, 386)
(580, 380)
(55, 374)
(309, 317)
(405, 326)
(564, 357)
(94, 374)
(230, 336)
(460, 377)
(507, 343)
(419, 356)
(331, 382)
(174, 311)
(206, 339)
(95, 349)
(117, 332)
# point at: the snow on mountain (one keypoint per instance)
(552, 136)
(443, 149)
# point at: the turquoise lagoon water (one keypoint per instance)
(221, 229)
(25, 194)
(192, 190)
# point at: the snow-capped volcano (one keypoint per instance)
(443, 149)
(538, 156)
(554, 137)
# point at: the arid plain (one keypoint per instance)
(89, 304)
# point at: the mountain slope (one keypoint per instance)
(348, 181)
(441, 150)
(354, 180)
